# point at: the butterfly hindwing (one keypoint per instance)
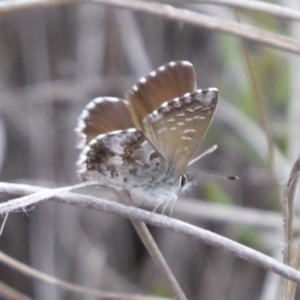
(123, 158)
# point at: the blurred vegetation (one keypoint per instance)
(53, 61)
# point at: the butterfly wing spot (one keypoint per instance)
(189, 111)
(166, 109)
(188, 99)
(143, 80)
(170, 120)
(161, 130)
(161, 69)
(90, 106)
(186, 138)
(156, 115)
(177, 104)
(189, 134)
(83, 116)
(200, 107)
(189, 131)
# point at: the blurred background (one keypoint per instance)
(54, 60)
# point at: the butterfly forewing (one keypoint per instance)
(103, 115)
(164, 84)
(178, 127)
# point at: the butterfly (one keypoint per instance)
(144, 143)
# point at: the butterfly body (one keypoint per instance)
(144, 144)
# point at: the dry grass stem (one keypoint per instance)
(12, 294)
(291, 254)
(155, 253)
(69, 286)
(174, 225)
(23, 202)
(258, 6)
(261, 109)
(183, 15)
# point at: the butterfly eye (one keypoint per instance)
(183, 181)
(114, 174)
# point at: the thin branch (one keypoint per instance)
(158, 259)
(257, 6)
(289, 207)
(135, 50)
(69, 286)
(289, 204)
(155, 253)
(291, 286)
(260, 106)
(44, 194)
(181, 15)
(10, 6)
(211, 23)
(10, 293)
(174, 225)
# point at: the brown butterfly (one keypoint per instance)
(145, 143)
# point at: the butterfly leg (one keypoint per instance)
(158, 205)
(172, 206)
(164, 207)
(126, 197)
(165, 202)
(141, 203)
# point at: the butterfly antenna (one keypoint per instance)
(208, 151)
(193, 175)
(230, 177)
